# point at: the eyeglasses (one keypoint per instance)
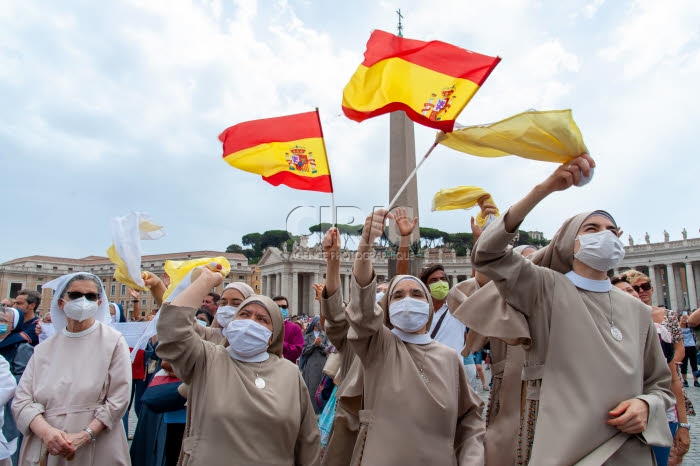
(644, 286)
(77, 295)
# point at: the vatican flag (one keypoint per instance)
(125, 251)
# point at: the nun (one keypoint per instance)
(231, 298)
(595, 382)
(75, 389)
(246, 403)
(418, 406)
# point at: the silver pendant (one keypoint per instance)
(260, 383)
(424, 377)
(616, 333)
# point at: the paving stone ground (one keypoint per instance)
(693, 455)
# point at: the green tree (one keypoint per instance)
(273, 238)
(254, 240)
(431, 237)
(234, 248)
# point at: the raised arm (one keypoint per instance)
(178, 342)
(365, 317)
(518, 279)
(156, 285)
(406, 227)
(332, 307)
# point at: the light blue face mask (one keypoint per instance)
(3, 328)
(285, 312)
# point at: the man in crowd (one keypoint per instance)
(210, 304)
(293, 338)
(445, 328)
(28, 302)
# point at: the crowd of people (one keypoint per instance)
(584, 368)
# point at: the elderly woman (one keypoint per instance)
(418, 406)
(677, 416)
(246, 404)
(608, 407)
(313, 357)
(75, 389)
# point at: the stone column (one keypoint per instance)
(295, 293)
(346, 288)
(278, 276)
(672, 295)
(657, 291)
(284, 284)
(690, 277)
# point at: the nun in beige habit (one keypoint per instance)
(246, 404)
(418, 407)
(595, 382)
(75, 389)
(349, 378)
(470, 298)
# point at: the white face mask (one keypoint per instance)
(380, 295)
(80, 309)
(202, 323)
(409, 314)
(602, 251)
(246, 337)
(224, 315)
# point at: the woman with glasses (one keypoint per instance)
(676, 415)
(75, 389)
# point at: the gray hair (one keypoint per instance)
(83, 277)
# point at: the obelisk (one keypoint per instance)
(402, 162)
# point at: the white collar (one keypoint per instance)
(260, 357)
(597, 286)
(415, 338)
(82, 333)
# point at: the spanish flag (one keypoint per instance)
(431, 81)
(285, 150)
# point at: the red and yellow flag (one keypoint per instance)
(285, 150)
(431, 81)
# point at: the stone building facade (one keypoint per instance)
(33, 271)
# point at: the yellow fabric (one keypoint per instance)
(463, 197)
(179, 270)
(383, 83)
(122, 274)
(125, 251)
(274, 157)
(549, 136)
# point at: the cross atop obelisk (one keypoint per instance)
(402, 161)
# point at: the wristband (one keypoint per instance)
(90, 433)
(684, 424)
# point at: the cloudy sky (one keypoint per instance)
(109, 107)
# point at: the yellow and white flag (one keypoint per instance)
(125, 251)
(548, 136)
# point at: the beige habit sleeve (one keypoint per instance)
(367, 333)
(24, 408)
(178, 343)
(336, 327)
(308, 445)
(119, 387)
(471, 429)
(213, 335)
(518, 280)
(657, 394)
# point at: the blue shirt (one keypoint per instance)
(688, 337)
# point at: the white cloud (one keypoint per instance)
(103, 114)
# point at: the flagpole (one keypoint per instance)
(410, 177)
(330, 177)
